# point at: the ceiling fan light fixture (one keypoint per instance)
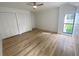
(34, 7)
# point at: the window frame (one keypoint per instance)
(69, 23)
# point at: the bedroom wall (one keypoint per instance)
(47, 19)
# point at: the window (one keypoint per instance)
(68, 23)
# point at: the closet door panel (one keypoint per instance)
(24, 23)
(8, 26)
(12, 24)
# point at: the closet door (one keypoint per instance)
(24, 22)
(8, 25)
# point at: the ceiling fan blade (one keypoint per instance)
(34, 3)
(40, 4)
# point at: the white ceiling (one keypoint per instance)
(22, 5)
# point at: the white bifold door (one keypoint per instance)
(14, 23)
(24, 22)
(8, 25)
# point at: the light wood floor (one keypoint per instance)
(39, 43)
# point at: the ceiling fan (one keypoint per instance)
(34, 4)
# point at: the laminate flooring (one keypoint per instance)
(39, 43)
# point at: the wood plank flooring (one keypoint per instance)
(39, 43)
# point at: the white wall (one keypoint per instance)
(64, 9)
(47, 19)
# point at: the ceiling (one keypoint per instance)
(23, 5)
